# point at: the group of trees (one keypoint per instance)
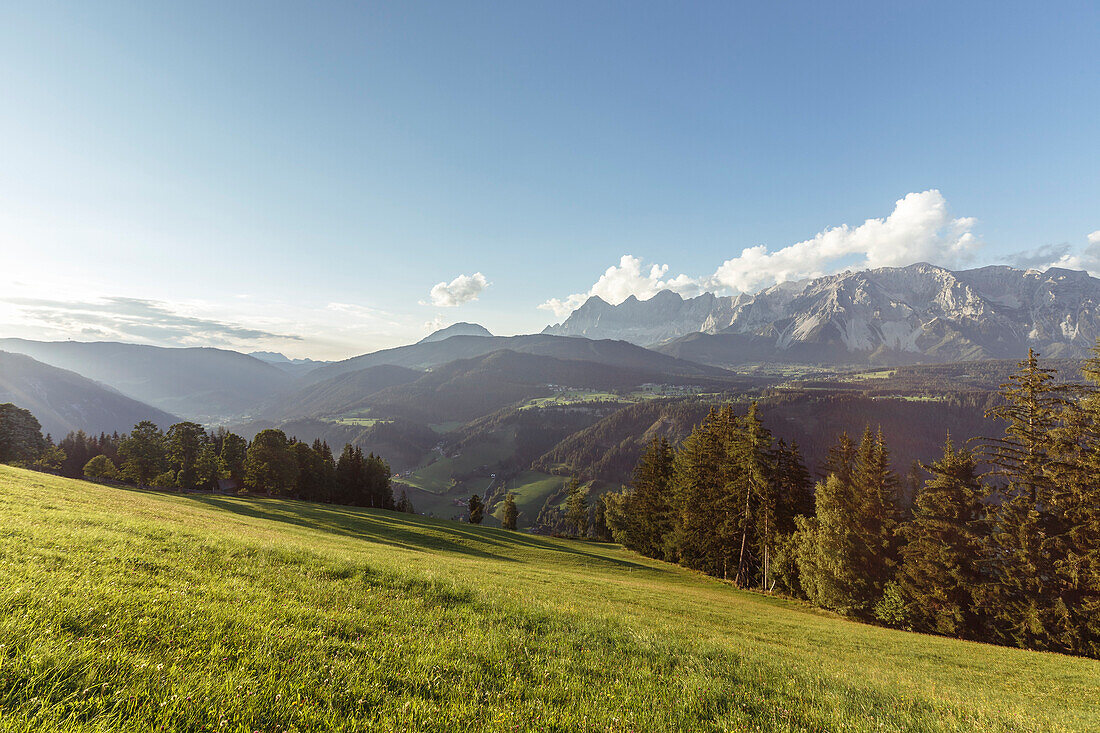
(509, 512)
(188, 456)
(1001, 543)
(724, 503)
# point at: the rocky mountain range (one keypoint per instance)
(907, 314)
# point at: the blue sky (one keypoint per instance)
(300, 176)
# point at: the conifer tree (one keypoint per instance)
(648, 507)
(705, 532)
(600, 528)
(753, 479)
(477, 509)
(576, 508)
(845, 553)
(939, 573)
(509, 514)
(1023, 589)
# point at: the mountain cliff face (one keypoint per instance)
(895, 314)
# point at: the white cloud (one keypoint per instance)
(918, 230)
(1094, 237)
(619, 282)
(462, 289)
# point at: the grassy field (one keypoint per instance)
(139, 611)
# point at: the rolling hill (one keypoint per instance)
(64, 401)
(239, 614)
(200, 384)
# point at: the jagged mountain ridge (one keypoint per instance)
(915, 313)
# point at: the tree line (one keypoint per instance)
(187, 456)
(1001, 542)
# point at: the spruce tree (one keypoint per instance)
(509, 514)
(1023, 592)
(705, 531)
(939, 575)
(576, 509)
(477, 509)
(648, 507)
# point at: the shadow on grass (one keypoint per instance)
(396, 529)
(365, 526)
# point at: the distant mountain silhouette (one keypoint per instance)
(63, 400)
(197, 383)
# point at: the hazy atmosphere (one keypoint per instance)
(328, 180)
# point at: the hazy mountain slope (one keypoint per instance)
(888, 315)
(196, 383)
(470, 388)
(294, 367)
(457, 329)
(337, 395)
(432, 354)
(63, 400)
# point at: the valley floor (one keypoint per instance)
(135, 611)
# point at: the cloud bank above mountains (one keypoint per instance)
(918, 229)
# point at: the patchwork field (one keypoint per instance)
(127, 610)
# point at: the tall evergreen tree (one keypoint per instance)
(509, 514)
(939, 575)
(1021, 563)
(350, 475)
(477, 509)
(648, 508)
(846, 551)
(576, 509)
(705, 535)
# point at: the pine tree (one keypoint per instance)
(576, 509)
(509, 514)
(1023, 588)
(877, 516)
(600, 528)
(753, 479)
(705, 532)
(846, 551)
(939, 573)
(477, 509)
(648, 507)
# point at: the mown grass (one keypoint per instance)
(139, 611)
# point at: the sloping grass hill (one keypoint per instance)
(138, 611)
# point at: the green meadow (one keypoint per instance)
(127, 610)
